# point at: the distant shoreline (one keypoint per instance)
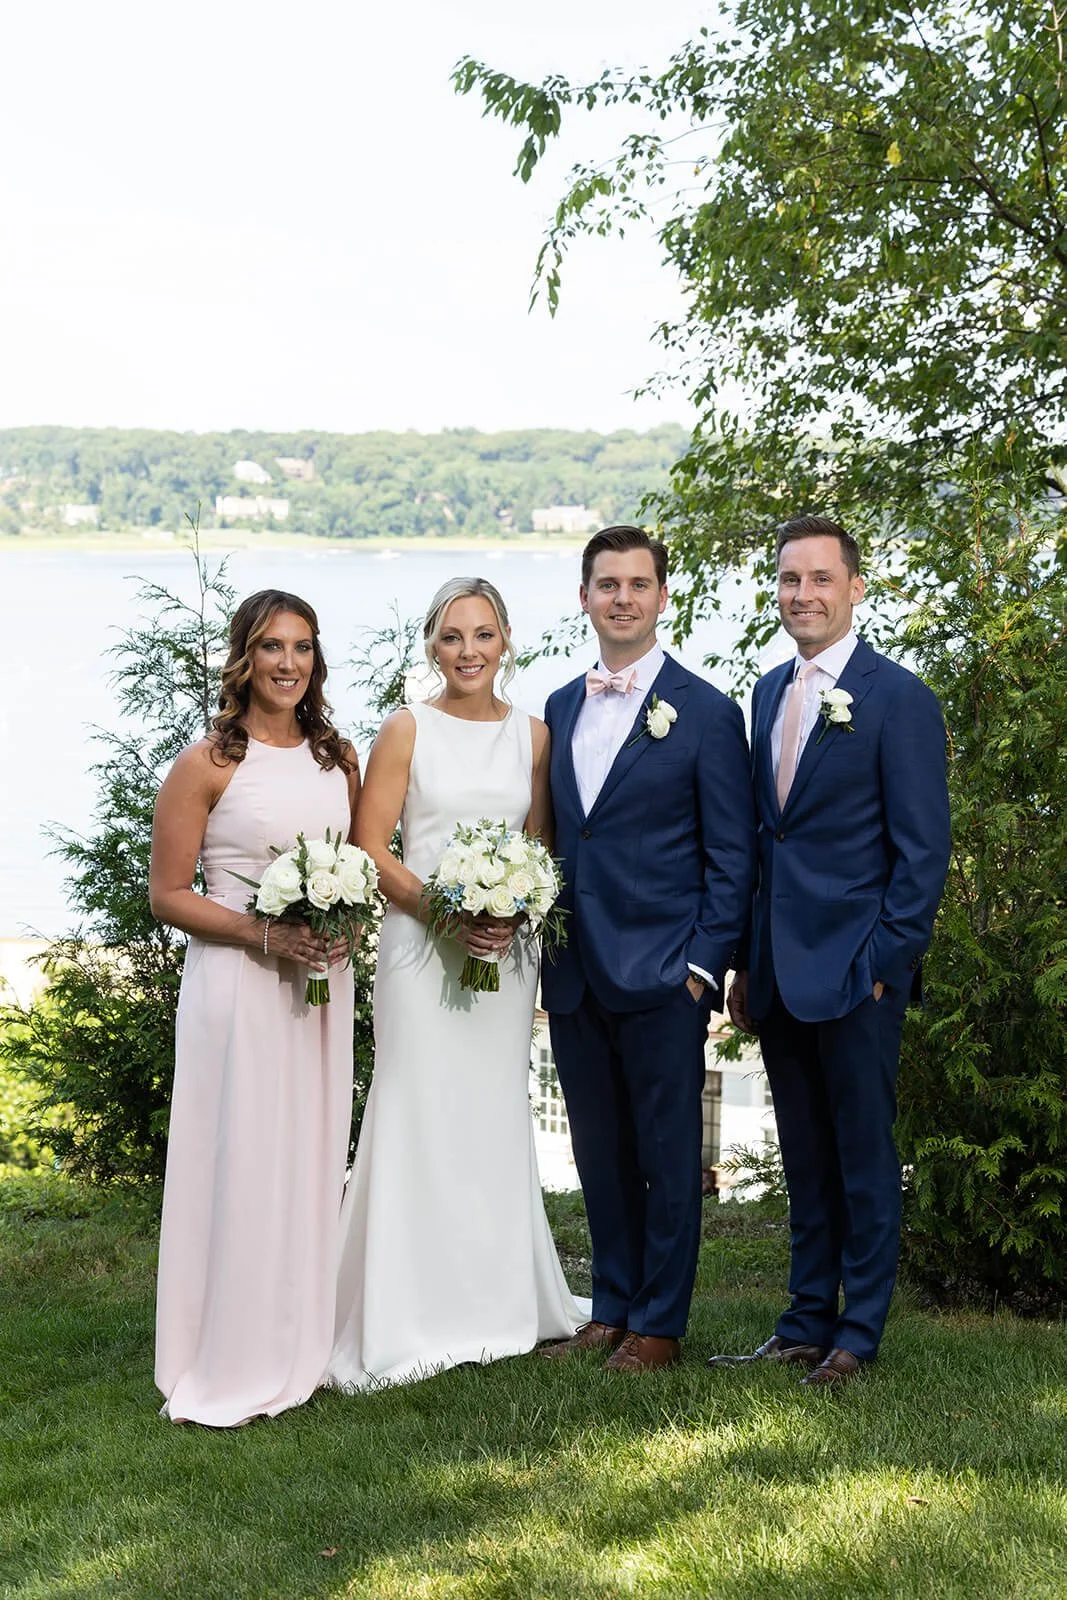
(215, 541)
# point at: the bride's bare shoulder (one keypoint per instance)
(396, 736)
(538, 734)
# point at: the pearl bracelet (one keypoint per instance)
(266, 931)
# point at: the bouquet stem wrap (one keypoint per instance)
(317, 992)
(481, 974)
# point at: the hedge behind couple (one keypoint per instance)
(445, 1254)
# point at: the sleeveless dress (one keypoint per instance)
(259, 1130)
(446, 1252)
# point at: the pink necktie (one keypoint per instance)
(794, 712)
(597, 681)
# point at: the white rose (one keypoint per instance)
(521, 883)
(835, 705)
(546, 899)
(546, 880)
(285, 879)
(469, 871)
(450, 866)
(324, 889)
(500, 902)
(660, 717)
(321, 856)
(516, 850)
(352, 882)
(269, 901)
(473, 899)
(493, 871)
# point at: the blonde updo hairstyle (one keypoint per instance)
(464, 589)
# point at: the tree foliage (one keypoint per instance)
(99, 1042)
(983, 1127)
(866, 208)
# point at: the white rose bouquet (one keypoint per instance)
(489, 870)
(320, 882)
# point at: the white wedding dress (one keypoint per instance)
(446, 1254)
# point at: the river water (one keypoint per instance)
(63, 609)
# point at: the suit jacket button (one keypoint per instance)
(779, 836)
(587, 833)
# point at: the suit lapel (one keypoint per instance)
(670, 685)
(565, 735)
(778, 682)
(857, 678)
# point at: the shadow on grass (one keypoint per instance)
(939, 1474)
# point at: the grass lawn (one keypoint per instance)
(941, 1474)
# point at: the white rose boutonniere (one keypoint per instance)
(834, 708)
(658, 719)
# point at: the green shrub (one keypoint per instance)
(983, 1091)
(34, 1196)
(98, 1043)
(18, 1109)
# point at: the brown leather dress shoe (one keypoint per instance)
(803, 1355)
(641, 1352)
(839, 1368)
(590, 1336)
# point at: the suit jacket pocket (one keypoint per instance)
(846, 744)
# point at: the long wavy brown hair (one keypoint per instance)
(251, 623)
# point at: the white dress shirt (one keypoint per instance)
(604, 722)
(829, 664)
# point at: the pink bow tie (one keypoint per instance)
(597, 681)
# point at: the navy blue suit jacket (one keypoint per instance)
(852, 868)
(659, 874)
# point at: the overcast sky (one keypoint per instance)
(222, 214)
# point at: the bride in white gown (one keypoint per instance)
(446, 1254)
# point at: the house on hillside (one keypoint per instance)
(75, 515)
(250, 472)
(245, 507)
(298, 467)
(565, 519)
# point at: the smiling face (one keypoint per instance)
(816, 593)
(624, 601)
(282, 663)
(469, 646)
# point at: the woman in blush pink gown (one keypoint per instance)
(262, 1082)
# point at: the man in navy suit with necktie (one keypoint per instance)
(848, 755)
(654, 824)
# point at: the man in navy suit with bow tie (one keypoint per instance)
(654, 824)
(848, 754)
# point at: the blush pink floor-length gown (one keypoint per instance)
(258, 1131)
